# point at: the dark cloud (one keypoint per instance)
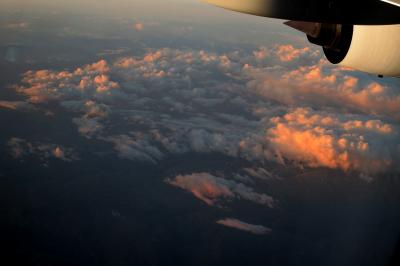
(21, 149)
(17, 105)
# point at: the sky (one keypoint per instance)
(173, 133)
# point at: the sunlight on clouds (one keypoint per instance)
(323, 140)
(288, 104)
(287, 53)
(322, 85)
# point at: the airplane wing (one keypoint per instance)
(393, 2)
(354, 12)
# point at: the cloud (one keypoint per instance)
(89, 124)
(17, 105)
(283, 56)
(17, 25)
(238, 103)
(240, 225)
(143, 25)
(139, 26)
(135, 148)
(260, 173)
(88, 127)
(287, 53)
(323, 85)
(93, 113)
(16, 147)
(320, 139)
(91, 81)
(21, 148)
(59, 153)
(212, 189)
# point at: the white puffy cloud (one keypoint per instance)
(211, 189)
(135, 148)
(240, 225)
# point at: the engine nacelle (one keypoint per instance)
(372, 49)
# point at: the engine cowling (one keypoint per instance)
(372, 49)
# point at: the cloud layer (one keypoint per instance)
(281, 103)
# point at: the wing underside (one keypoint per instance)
(353, 12)
(393, 2)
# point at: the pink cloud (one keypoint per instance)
(320, 85)
(211, 189)
(139, 26)
(44, 85)
(59, 153)
(240, 225)
(203, 186)
(325, 140)
(16, 105)
(288, 53)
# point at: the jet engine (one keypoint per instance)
(373, 49)
(364, 35)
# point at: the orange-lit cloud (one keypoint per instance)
(59, 153)
(139, 26)
(324, 140)
(317, 85)
(240, 225)
(212, 189)
(16, 105)
(44, 85)
(288, 53)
